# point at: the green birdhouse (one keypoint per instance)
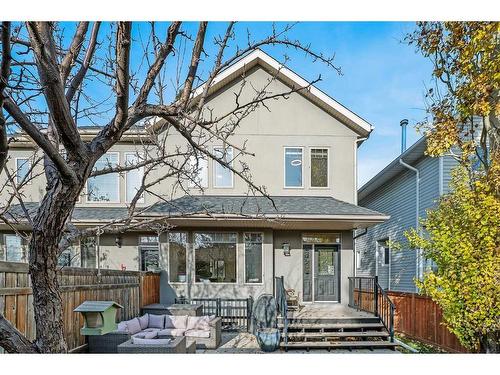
(99, 317)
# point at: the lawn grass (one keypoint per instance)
(418, 346)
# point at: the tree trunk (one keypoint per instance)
(48, 229)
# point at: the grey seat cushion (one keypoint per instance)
(156, 321)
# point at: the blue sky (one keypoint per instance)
(383, 78)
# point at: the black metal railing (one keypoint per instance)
(236, 313)
(365, 293)
(282, 304)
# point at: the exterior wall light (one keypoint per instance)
(119, 241)
(286, 249)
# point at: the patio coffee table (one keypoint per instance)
(176, 345)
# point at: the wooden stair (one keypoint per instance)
(331, 333)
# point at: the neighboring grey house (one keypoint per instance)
(222, 243)
(394, 192)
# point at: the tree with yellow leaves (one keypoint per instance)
(463, 232)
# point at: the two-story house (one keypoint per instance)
(405, 189)
(222, 242)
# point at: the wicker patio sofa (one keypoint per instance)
(109, 342)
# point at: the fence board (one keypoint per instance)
(420, 318)
(130, 289)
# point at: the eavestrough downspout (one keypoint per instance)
(418, 265)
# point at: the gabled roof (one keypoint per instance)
(411, 155)
(259, 58)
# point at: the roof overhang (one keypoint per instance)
(410, 156)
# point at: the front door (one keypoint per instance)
(326, 273)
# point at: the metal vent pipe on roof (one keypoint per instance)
(403, 124)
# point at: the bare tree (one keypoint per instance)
(46, 91)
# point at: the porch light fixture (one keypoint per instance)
(119, 241)
(286, 249)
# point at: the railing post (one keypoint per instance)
(375, 293)
(392, 323)
(218, 307)
(249, 312)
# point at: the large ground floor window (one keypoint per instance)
(177, 250)
(253, 258)
(215, 257)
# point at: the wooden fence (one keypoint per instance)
(130, 289)
(420, 318)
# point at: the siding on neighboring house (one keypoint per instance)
(397, 199)
(448, 164)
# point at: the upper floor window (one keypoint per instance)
(223, 177)
(293, 167)
(198, 167)
(319, 167)
(104, 188)
(23, 168)
(14, 250)
(133, 178)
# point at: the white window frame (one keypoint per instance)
(358, 260)
(245, 258)
(327, 167)
(29, 180)
(187, 258)
(216, 164)
(139, 155)
(382, 254)
(118, 185)
(302, 168)
(191, 184)
(5, 246)
(236, 258)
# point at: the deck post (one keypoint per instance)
(375, 294)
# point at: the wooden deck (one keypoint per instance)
(327, 311)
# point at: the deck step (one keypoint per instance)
(338, 344)
(312, 335)
(332, 325)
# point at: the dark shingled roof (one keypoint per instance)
(221, 204)
(285, 205)
(79, 213)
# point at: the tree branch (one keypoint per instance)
(4, 81)
(193, 67)
(165, 49)
(12, 340)
(44, 49)
(74, 51)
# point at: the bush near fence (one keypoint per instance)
(130, 289)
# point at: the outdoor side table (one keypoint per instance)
(176, 345)
(175, 309)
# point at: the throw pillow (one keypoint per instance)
(122, 327)
(156, 321)
(144, 321)
(133, 326)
